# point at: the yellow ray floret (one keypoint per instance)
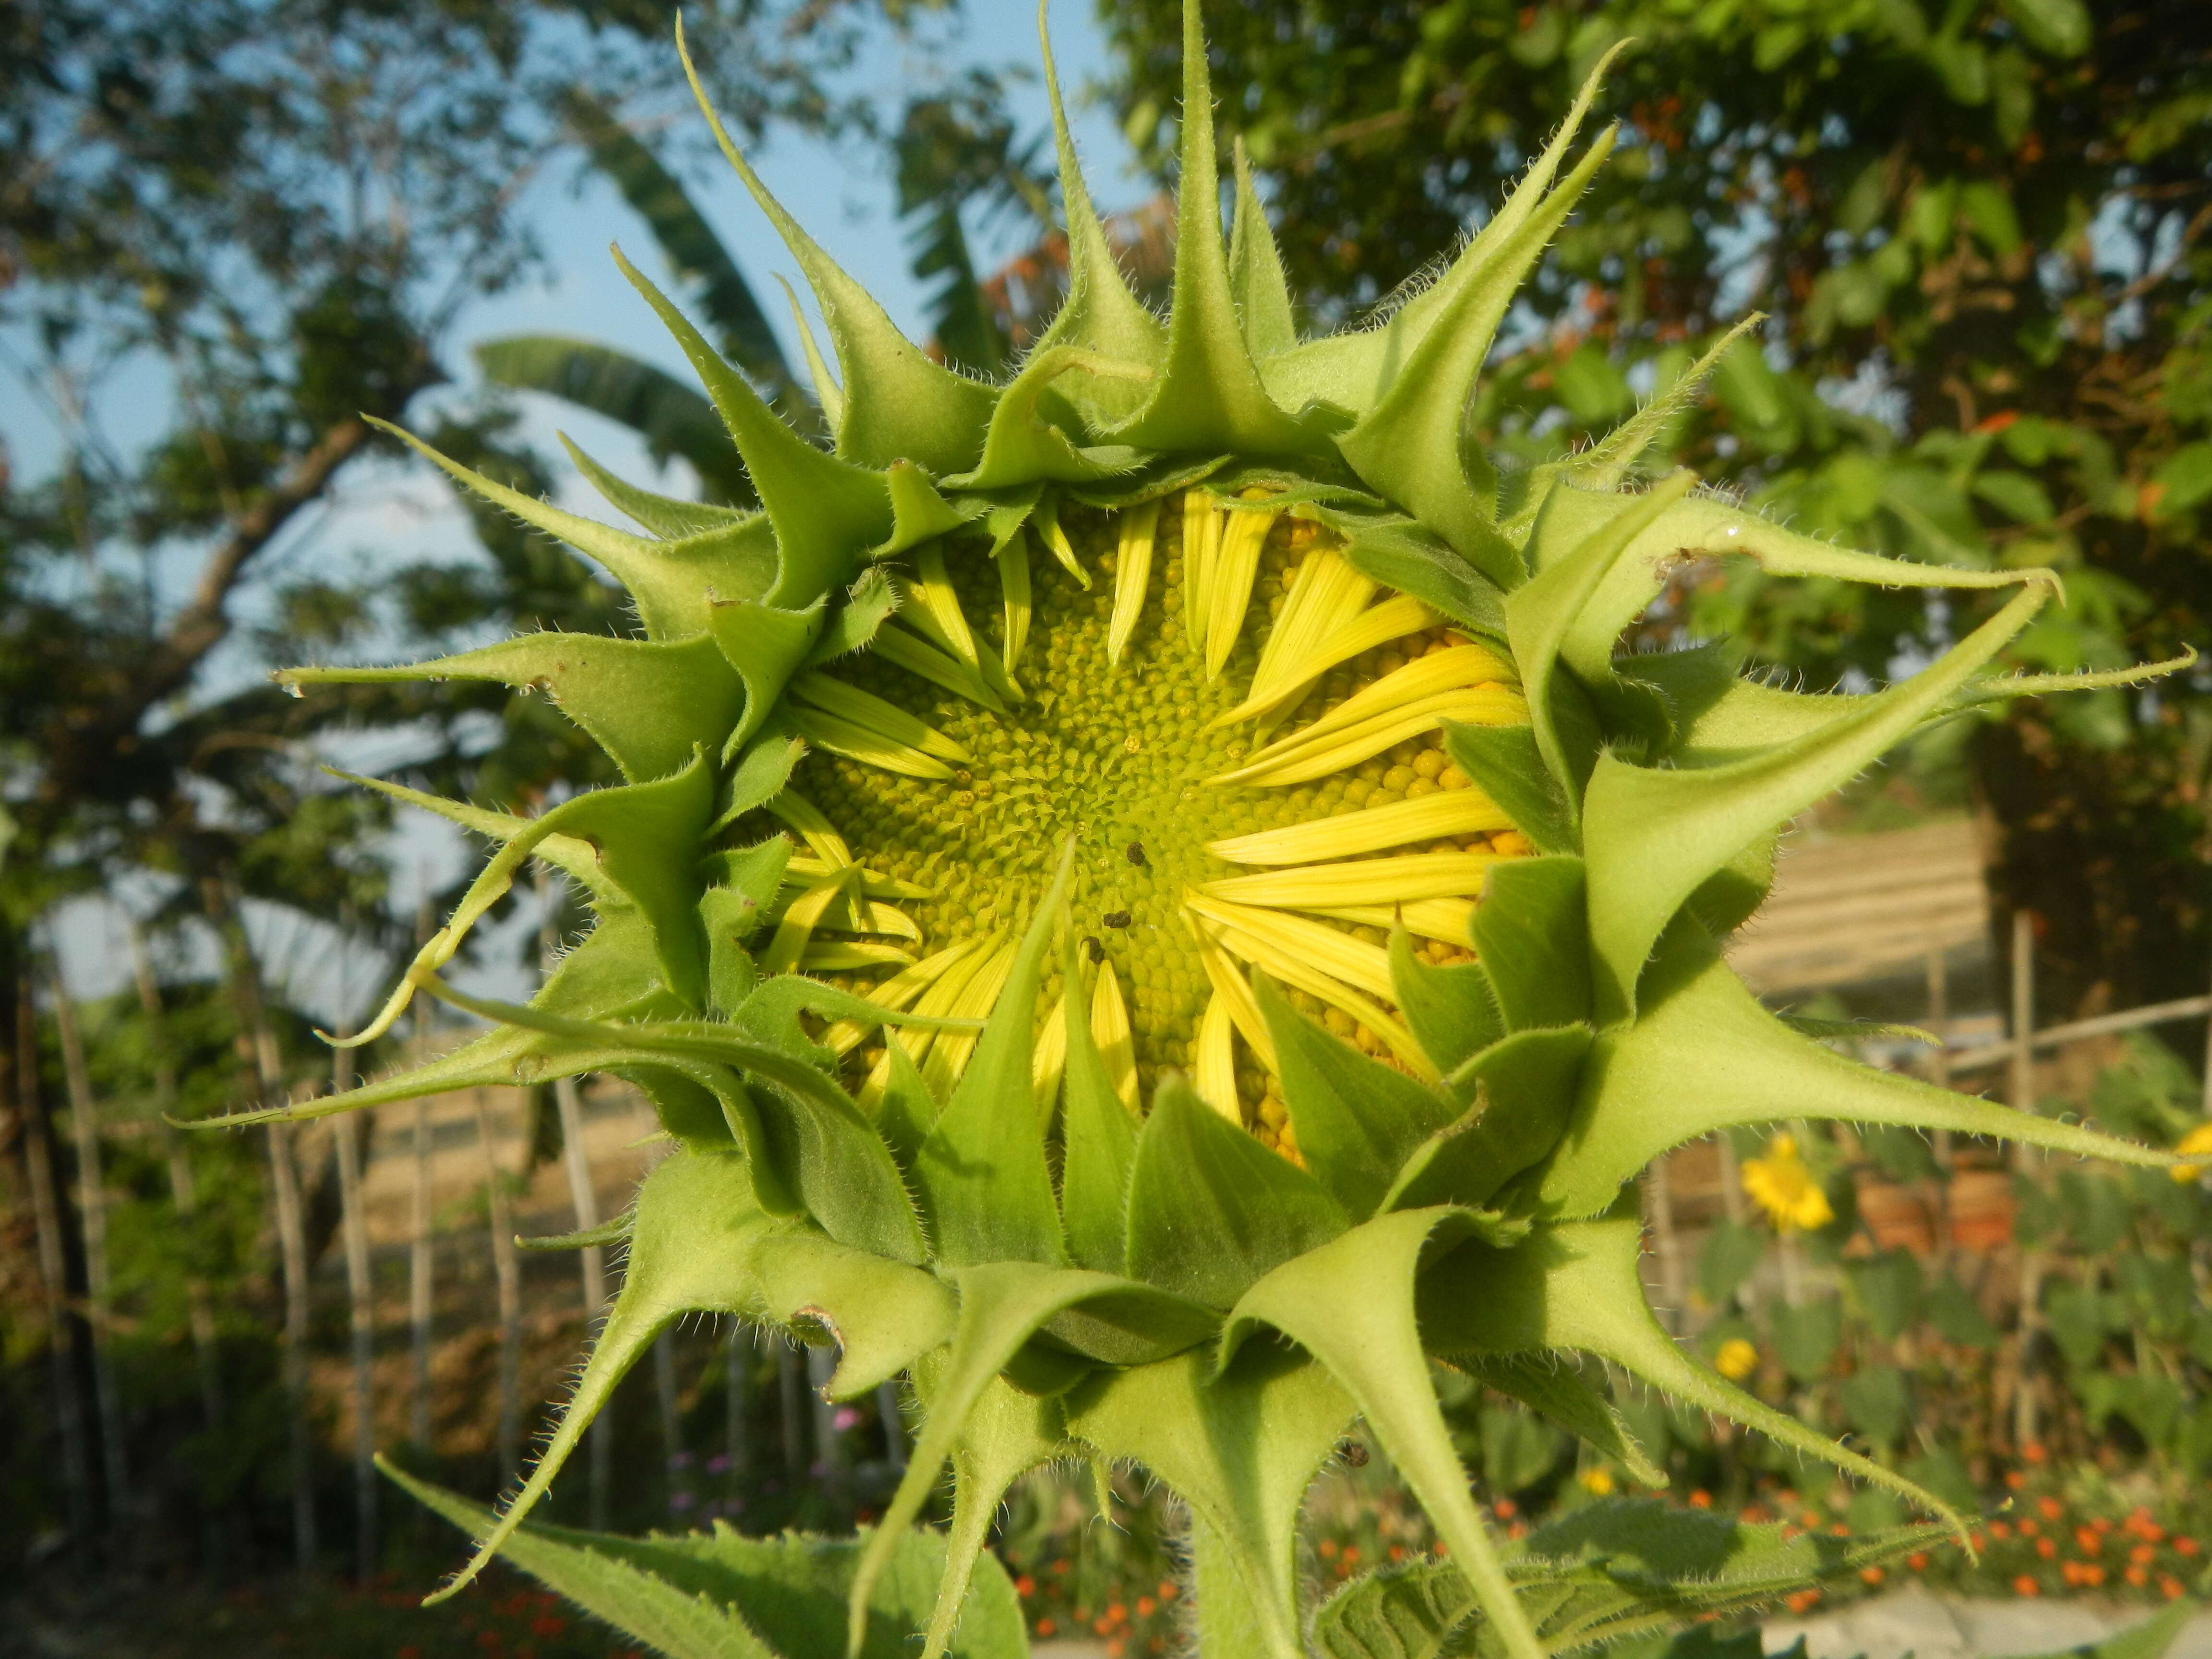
(839, 955)
(1048, 1058)
(1110, 1028)
(1396, 880)
(894, 992)
(1236, 567)
(1448, 812)
(1284, 965)
(1329, 950)
(1133, 569)
(1214, 1069)
(1232, 988)
(1324, 591)
(804, 867)
(1448, 921)
(886, 719)
(936, 609)
(948, 1056)
(918, 656)
(1013, 563)
(1201, 524)
(800, 918)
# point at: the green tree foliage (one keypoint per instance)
(1979, 229)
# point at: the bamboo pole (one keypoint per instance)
(420, 1261)
(508, 1274)
(584, 1200)
(791, 1410)
(736, 1364)
(2026, 1418)
(259, 1041)
(360, 1295)
(100, 1282)
(671, 1419)
(184, 1194)
(53, 1263)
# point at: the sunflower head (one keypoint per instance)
(1165, 851)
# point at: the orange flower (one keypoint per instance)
(1872, 1575)
(2051, 1508)
(2025, 1585)
(1999, 1529)
(1701, 1500)
(1917, 1561)
(2045, 1548)
(2137, 1576)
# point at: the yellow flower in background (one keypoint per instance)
(1596, 1482)
(1781, 1185)
(1736, 1360)
(2199, 1139)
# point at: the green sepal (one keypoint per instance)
(1541, 614)
(613, 973)
(758, 777)
(690, 1250)
(648, 705)
(1731, 896)
(1530, 932)
(1609, 464)
(1356, 1120)
(1402, 554)
(1411, 445)
(1503, 762)
(895, 403)
(1355, 369)
(704, 1117)
(981, 1172)
(1209, 396)
(1240, 1447)
(665, 515)
(1099, 1138)
(843, 1173)
(730, 912)
(854, 624)
(918, 513)
(1578, 1286)
(719, 1594)
(668, 581)
(825, 510)
(1452, 1012)
(1652, 836)
(1704, 1055)
(1023, 444)
(1554, 1389)
(1008, 1434)
(908, 1110)
(1523, 1090)
(764, 646)
(882, 1315)
(616, 1231)
(1351, 1304)
(1002, 1305)
(573, 857)
(1211, 1211)
(1256, 282)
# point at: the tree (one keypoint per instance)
(1979, 232)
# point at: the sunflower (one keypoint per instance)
(1150, 904)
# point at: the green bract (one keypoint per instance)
(1378, 1103)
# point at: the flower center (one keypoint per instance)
(1210, 835)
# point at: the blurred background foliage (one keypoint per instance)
(1980, 234)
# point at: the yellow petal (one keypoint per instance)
(1325, 591)
(1110, 1027)
(1013, 563)
(1214, 1071)
(948, 1056)
(937, 610)
(1048, 1058)
(894, 992)
(1232, 987)
(1394, 618)
(894, 644)
(1236, 567)
(1399, 880)
(886, 720)
(813, 826)
(1454, 812)
(803, 868)
(1133, 569)
(1294, 971)
(1331, 950)
(799, 921)
(1451, 921)
(1201, 525)
(835, 956)
(1299, 760)
(858, 743)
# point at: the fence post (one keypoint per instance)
(92, 1219)
(420, 1262)
(360, 1295)
(509, 1277)
(184, 1195)
(2026, 1416)
(53, 1262)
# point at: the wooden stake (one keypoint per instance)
(360, 1295)
(2027, 1420)
(184, 1197)
(420, 1264)
(53, 1263)
(509, 1276)
(92, 1221)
